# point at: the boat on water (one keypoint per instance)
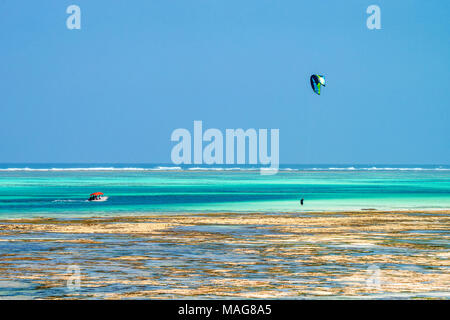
(97, 197)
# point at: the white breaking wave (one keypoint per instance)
(165, 168)
(376, 169)
(72, 169)
(221, 169)
(205, 169)
(177, 168)
(92, 169)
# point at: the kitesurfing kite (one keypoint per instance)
(317, 82)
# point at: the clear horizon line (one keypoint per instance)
(224, 164)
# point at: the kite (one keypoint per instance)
(317, 82)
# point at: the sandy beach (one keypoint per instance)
(374, 254)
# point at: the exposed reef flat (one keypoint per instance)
(366, 253)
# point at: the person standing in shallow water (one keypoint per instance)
(301, 201)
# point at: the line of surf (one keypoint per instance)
(177, 168)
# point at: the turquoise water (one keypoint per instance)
(57, 191)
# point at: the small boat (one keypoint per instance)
(97, 197)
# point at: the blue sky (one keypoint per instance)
(116, 89)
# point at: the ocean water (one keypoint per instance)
(61, 190)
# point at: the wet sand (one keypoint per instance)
(371, 254)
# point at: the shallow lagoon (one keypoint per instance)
(64, 193)
(230, 234)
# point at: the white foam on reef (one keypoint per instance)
(375, 169)
(92, 169)
(73, 169)
(177, 168)
(165, 168)
(221, 169)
